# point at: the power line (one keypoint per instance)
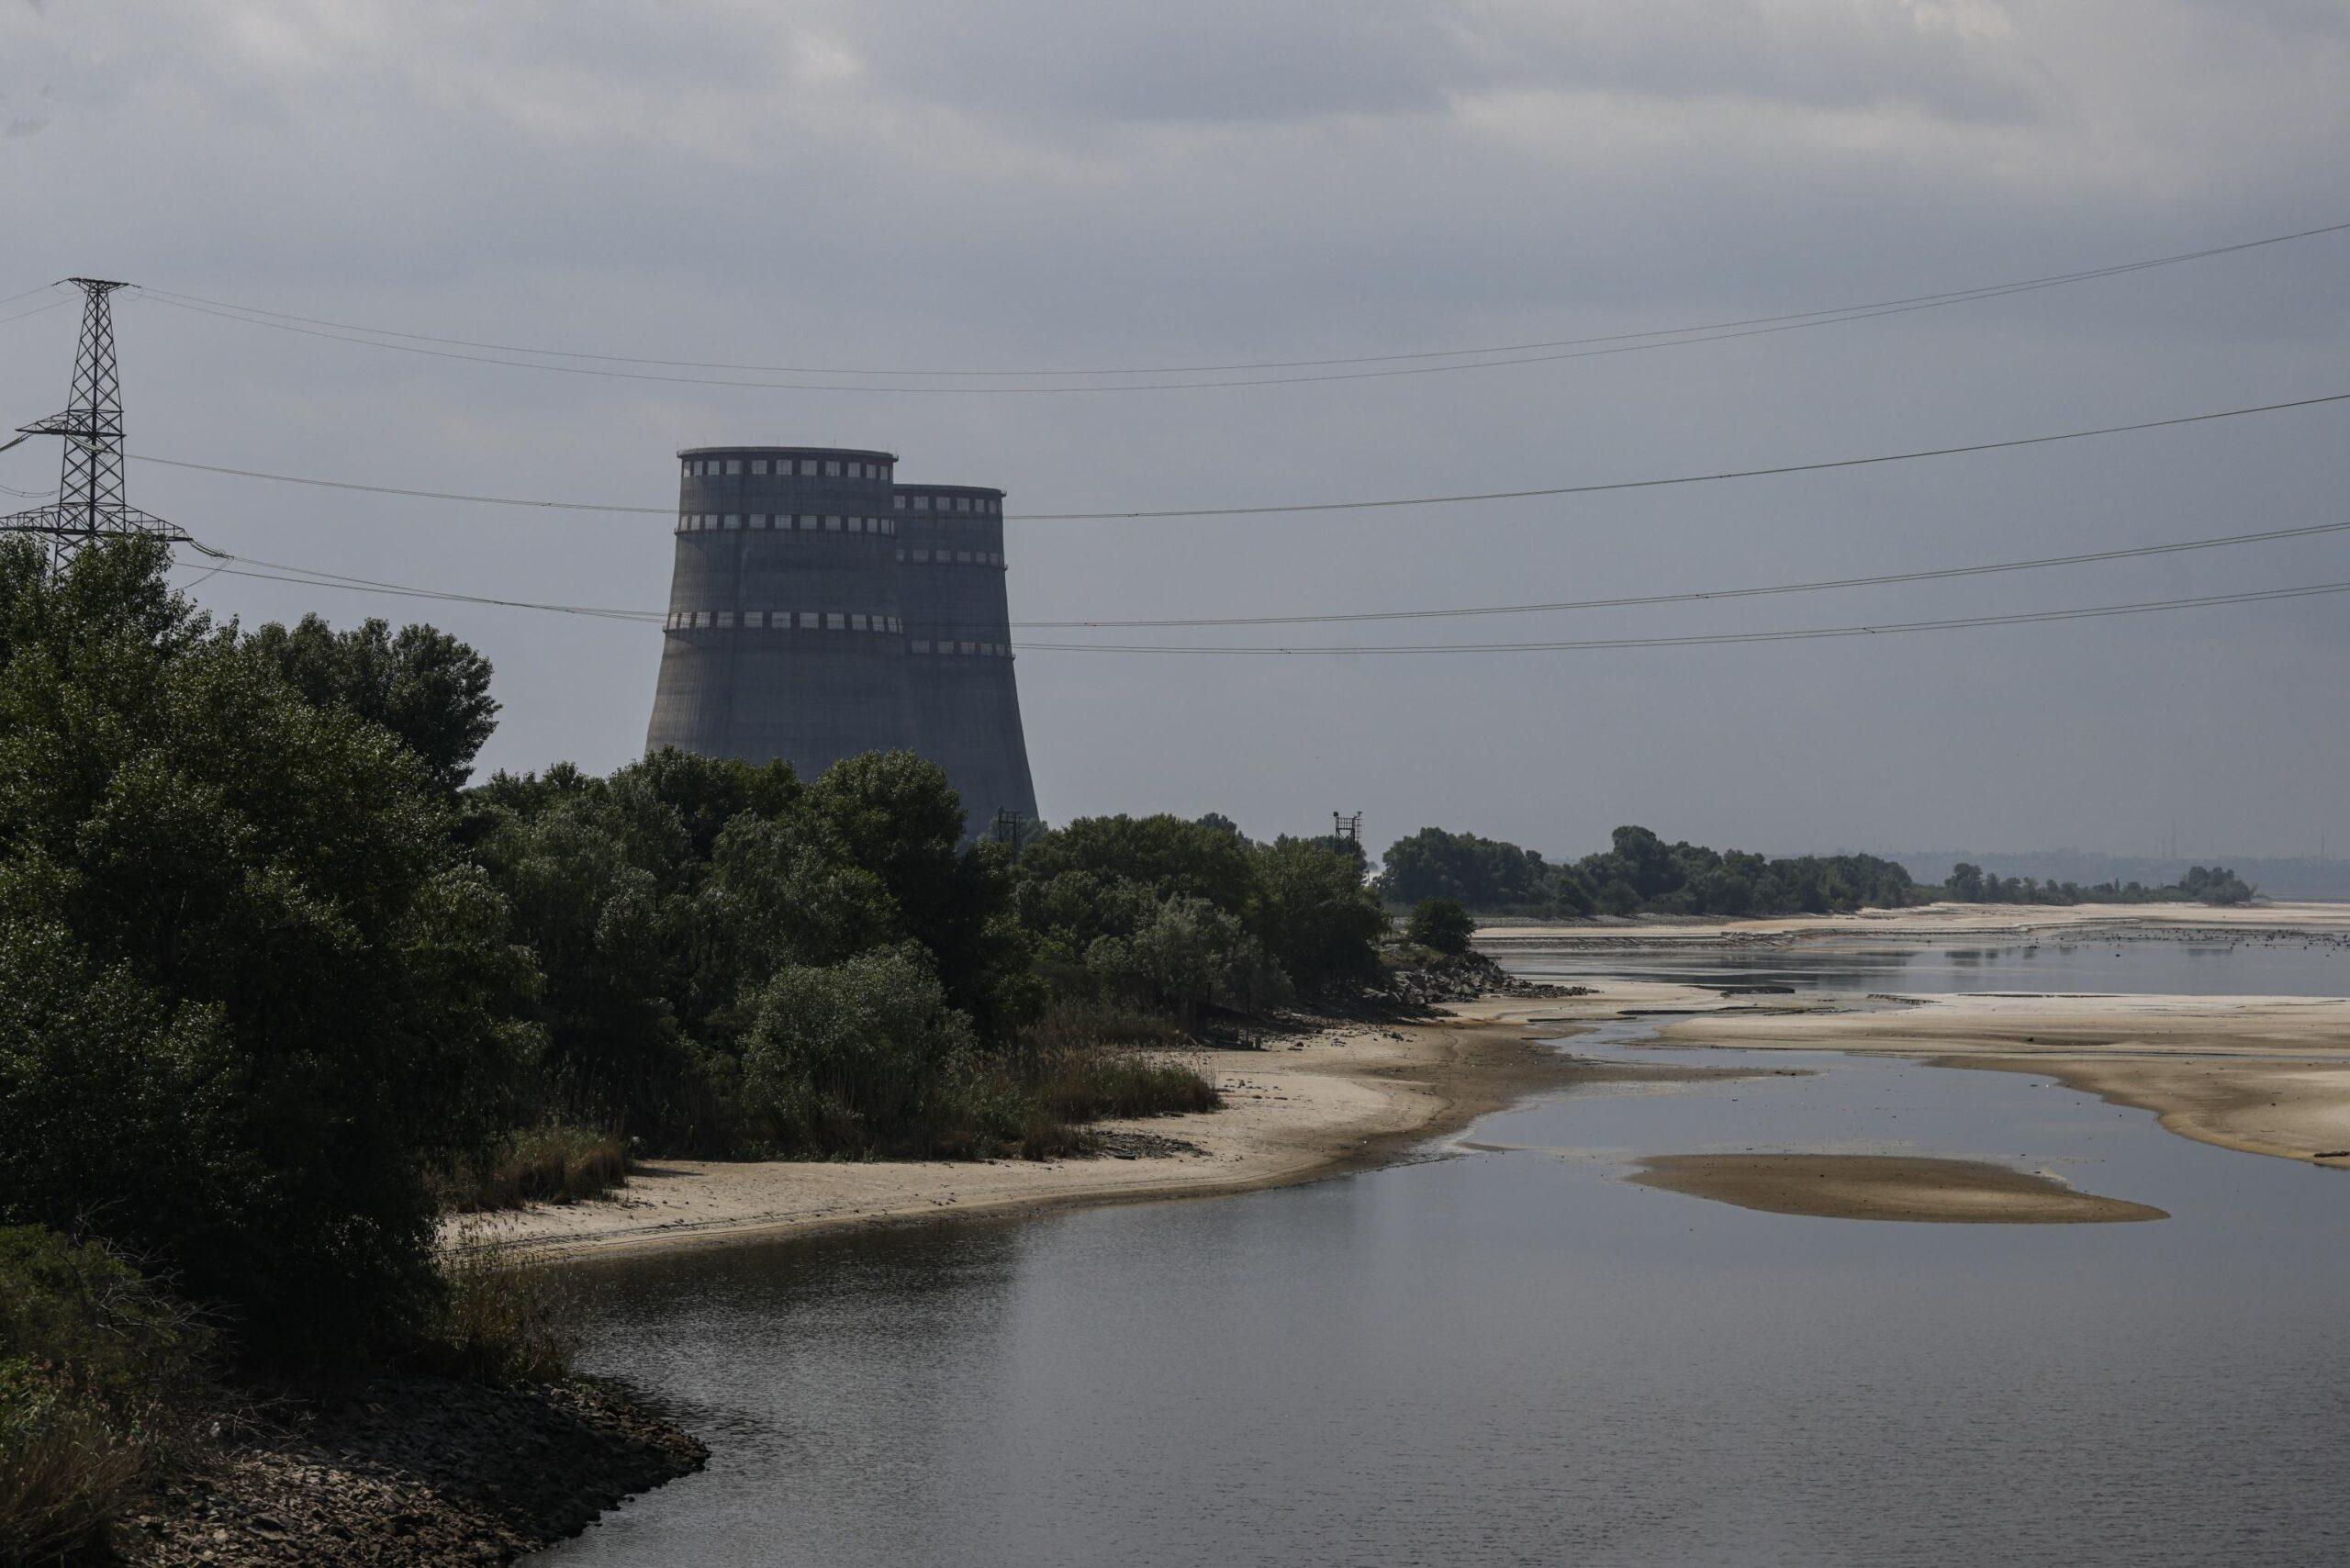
(286, 571)
(36, 310)
(1717, 639)
(1882, 579)
(894, 387)
(398, 491)
(11, 300)
(1678, 478)
(1265, 510)
(1819, 315)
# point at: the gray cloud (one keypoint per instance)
(915, 183)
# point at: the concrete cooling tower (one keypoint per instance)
(964, 706)
(818, 609)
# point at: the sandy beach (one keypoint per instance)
(1349, 1096)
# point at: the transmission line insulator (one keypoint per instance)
(90, 503)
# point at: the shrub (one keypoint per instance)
(1091, 1085)
(95, 1370)
(547, 1164)
(864, 1057)
(1442, 925)
(504, 1317)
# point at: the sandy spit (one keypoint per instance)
(2263, 1074)
(1349, 1097)
(1878, 1186)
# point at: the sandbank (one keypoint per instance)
(1880, 1186)
(2263, 1074)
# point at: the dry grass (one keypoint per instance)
(506, 1320)
(1085, 1064)
(1101, 1083)
(68, 1465)
(98, 1368)
(551, 1164)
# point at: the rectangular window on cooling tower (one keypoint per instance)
(856, 623)
(832, 525)
(734, 519)
(755, 618)
(733, 465)
(922, 503)
(832, 468)
(758, 464)
(834, 620)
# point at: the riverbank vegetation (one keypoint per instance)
(1639, 873)
(280, 986)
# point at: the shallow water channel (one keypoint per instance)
(1501, 1353)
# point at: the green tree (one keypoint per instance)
(853, 1056)
(1481, 873)
(250, 995)
(1318, 919)
(424, 685)
(1440, 925)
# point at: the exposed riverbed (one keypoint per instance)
(1503, 1352)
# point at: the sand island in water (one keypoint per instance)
(1883, 1186)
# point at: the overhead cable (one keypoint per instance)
(36, 310)
(1820, 316)
(1717, 639)
(1269, 509)
(1695, 596)
(286, 571)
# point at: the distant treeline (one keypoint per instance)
(2201, 884)
(1641, 874)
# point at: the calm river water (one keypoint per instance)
(1504, 1354)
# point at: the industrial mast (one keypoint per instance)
(90, 503)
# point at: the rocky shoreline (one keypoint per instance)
(402, 1471)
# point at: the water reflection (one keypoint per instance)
(1514, 1358)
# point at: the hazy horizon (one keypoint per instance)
(903, 183)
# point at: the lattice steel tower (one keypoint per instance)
(90, 503)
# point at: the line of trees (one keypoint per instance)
(1639, 873)
(270, 970)
(1970, 884)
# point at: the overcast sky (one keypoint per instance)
(931, 183)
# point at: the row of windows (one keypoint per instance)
(961, 558)
(782, 620)
(711, 521)
(988, 504)
(985, 650)
(833, 468)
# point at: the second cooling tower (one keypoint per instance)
(818, 609)
(964, 706)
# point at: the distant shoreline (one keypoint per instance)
(1927, 922)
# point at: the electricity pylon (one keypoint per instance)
(90, 504)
